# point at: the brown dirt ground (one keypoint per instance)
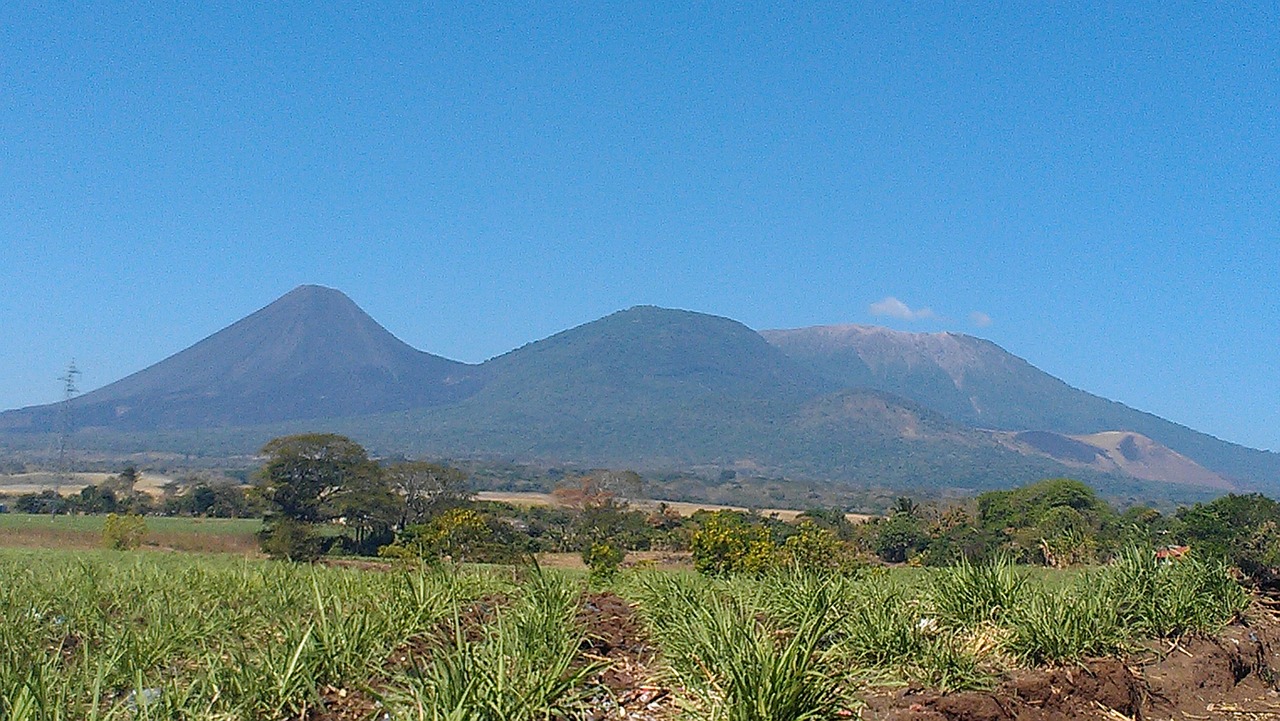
(630, 688)
(651, 560)
(684, 508)
(1229, 676)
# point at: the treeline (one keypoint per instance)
(119, 494)
(321, 494)
(313, 485)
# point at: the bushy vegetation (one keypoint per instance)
(321, 493)
(123, 532)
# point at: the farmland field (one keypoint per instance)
(212, 535)
(118, 635)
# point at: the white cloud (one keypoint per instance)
(895, 308)
(980, 319)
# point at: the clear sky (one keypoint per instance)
(1094, 187)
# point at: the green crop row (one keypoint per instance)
(792, 645)
(107, 635)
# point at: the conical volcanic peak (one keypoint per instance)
(313, 353)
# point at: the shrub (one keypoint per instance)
(123, 532)
(603, 560)
(287, 539)
(728, 542)
(461, 535)
(814, 548)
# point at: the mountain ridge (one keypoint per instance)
(661, 387)
(1001, 391)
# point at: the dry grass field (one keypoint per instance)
(19, 483)
(684, 508)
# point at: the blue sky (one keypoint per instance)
(1099, 181)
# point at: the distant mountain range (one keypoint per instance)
(652, 388)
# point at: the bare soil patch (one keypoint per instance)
(1230, 676)
(630, 686)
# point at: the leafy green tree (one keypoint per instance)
(303, 474)
(1239, 528)
(97, 499)
(46, 501)
(899, 537)
(1026, 506)
(906, 506)
(460, 535)
(832, 519)
(370, 511)
(311, 478)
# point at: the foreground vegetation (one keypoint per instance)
(783, 620)
(117, 635)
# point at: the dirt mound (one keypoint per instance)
(615, 636)
(344, 705)
(1098, 689)
(1230, 676)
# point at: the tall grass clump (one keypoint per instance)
(890, 631)
(736, 664)
(521, 667)
(1165, 600)
(1056, 627)
(968, 594)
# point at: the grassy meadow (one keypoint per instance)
(83, 532)
(137, 635)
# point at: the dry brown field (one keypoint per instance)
(684, 508)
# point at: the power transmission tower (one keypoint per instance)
(69, 391)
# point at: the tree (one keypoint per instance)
(906, 506)
(128, 480)
(371, 510)
(308, 479)
(97, 499)
(305, 473)
(427, 489)
(898, 537)
(460, 535)
(816, 548)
